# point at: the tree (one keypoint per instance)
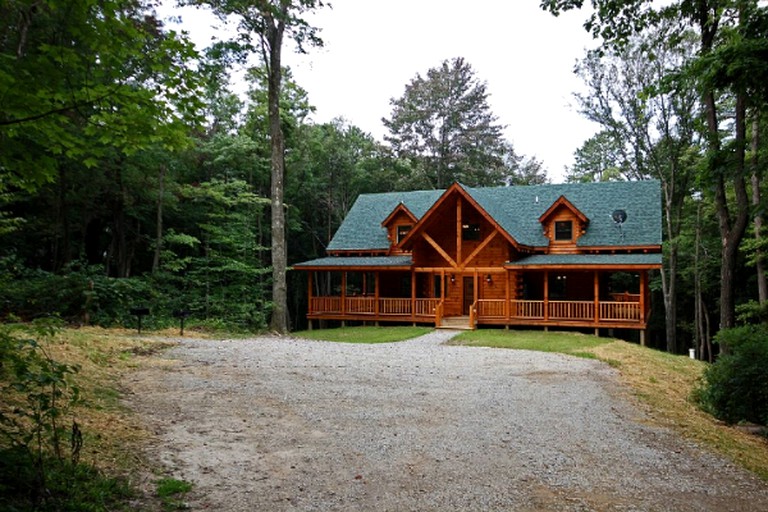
(730, 62)
(598, 159)
(649, 122)
(444, 126)
(80, 80)
(262, 25)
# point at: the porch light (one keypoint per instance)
(453, 279)
(488, 279)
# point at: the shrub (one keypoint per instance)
(735, 387)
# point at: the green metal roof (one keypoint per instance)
(365, 261)
(564, 260)
(517, 210)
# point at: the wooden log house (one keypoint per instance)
(568, 255)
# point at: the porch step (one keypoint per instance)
(455, 322)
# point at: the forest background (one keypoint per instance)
(132, 176)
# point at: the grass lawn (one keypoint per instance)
(563, 342)
(662, 382)
(365, 334)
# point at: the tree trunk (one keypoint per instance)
(279, 320)
(159, 233)
(762, 284)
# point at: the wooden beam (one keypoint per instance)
(440, 250)
(597, 296)
(479, 248)
(376, 296)
(458, 229)
(343, 293)
(546, 296)
(413, 295)
(507, 296)
(643, 289)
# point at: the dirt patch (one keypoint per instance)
(281, 424)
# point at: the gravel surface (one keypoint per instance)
(285, 424)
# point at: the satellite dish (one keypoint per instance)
(619, 216)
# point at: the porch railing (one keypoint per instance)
(484, 309)
(367, 306)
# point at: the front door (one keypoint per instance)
(469, 295)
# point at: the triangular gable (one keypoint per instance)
(564, 202)
(400, 208)
(454, 189)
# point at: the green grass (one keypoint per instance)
(171, 491)
(574, 344)
(364, 334)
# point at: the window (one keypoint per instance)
(470, 232)
(402, 232)
(563, 230)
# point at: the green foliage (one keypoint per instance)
(39, 451)
(735, 387)
(81, 80)
(38, 391)
(68, 487)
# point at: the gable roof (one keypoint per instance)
(362, 229)
(518, 209)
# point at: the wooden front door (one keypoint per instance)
(469, 295)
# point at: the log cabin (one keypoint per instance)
(560, 256)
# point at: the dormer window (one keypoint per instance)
(402, 231)
(563, 230)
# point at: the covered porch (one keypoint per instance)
(586, 293)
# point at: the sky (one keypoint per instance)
(373, 48)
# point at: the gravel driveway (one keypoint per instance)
(284, 424)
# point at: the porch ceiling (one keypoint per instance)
(588, 261)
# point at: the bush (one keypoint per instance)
(735, 388)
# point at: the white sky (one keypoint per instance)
(373, 48)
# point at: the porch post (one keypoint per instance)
(643, 291)
(310, 274)
(546, 295)
(597, 297)
(507, 297)
(442, 285)
(376, 297)
(413, 296)
(343, 293)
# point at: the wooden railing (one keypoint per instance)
(325, 305)
(484, 309)
(491, 308)
(394, 306)
(620, 311)
(533, 309)
(360, 305)
(571, 310)
(426, 307)
(560, 310)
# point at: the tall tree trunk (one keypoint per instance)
(762, 284)
(159, 222)
(732, 230)
(275, 29)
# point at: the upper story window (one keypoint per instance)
(564, 230)
(470, 232)
(402, 232)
